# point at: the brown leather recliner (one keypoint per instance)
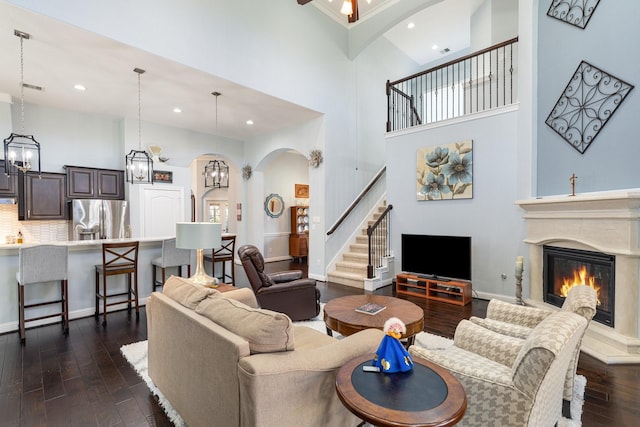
(285, 292)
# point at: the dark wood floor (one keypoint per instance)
(83, 380)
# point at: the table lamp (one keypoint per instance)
(199, 235)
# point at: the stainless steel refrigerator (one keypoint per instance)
(93, 219)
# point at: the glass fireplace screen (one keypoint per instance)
(565, 268)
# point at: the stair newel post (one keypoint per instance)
(369, 251)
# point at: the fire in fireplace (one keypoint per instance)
(565, 268)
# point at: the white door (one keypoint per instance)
(161, 208)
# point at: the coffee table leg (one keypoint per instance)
(329, 332)
(408, 341)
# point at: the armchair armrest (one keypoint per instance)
(516, 314)
(285, 276)
(501, 327)
(299, 299)
(292, 286)
(466, 363)
(486, 343)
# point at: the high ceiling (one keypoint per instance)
(105, 68)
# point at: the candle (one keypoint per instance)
(519, 265)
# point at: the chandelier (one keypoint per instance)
(139, 166)
(21, 152)
(216, 174)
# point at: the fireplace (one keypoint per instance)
(593, 223)
(564, 268)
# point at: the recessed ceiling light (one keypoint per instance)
(177, 110)
(79, 87)
(434, 47)
(249, 122)
(411, 25)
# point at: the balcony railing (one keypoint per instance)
(481, 81)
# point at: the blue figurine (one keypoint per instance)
(391, 355)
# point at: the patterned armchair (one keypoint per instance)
(511, 381)
(518, 321)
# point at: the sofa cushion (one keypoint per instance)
(186, 293)
(266, 331)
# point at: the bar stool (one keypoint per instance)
(40, 264)
(117, 258)
(223, 254)
(171, 257)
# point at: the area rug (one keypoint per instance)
(436, 342)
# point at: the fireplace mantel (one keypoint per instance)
(607, 222)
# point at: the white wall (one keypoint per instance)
(280, 176)
(491, 218)
(73, 138)
(610, 42)
(279, 48)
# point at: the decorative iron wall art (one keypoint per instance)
(445, 172)
(574, 12)
(586, 105)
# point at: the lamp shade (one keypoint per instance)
(198, 235)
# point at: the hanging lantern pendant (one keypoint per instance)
(21, 152)
(138, 163)
(216, 174)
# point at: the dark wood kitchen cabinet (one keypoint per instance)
(92, 183)
(8, 183)
(43, 197)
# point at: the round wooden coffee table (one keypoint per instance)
(340, 315)
(428, 395)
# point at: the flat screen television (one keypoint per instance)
(441, 257)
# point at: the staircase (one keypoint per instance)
(352, 269)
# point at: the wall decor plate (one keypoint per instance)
(586, 105)
(445, 172)
(573, 12)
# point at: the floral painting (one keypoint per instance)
(445, 172)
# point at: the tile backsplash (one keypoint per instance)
(32, 231)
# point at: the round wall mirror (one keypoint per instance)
(274, 205)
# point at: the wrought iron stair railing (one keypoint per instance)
(477, 82)
(379, 242)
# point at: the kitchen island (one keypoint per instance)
(83, 256)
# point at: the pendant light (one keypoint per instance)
(347, 8)
(216, 172)
(21, 152)
(139, 166)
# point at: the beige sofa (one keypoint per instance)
(220, 361)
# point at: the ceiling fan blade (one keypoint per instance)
(303, 2)
(355, 15)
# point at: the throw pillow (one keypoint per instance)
(265, 330)
(186, 293)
